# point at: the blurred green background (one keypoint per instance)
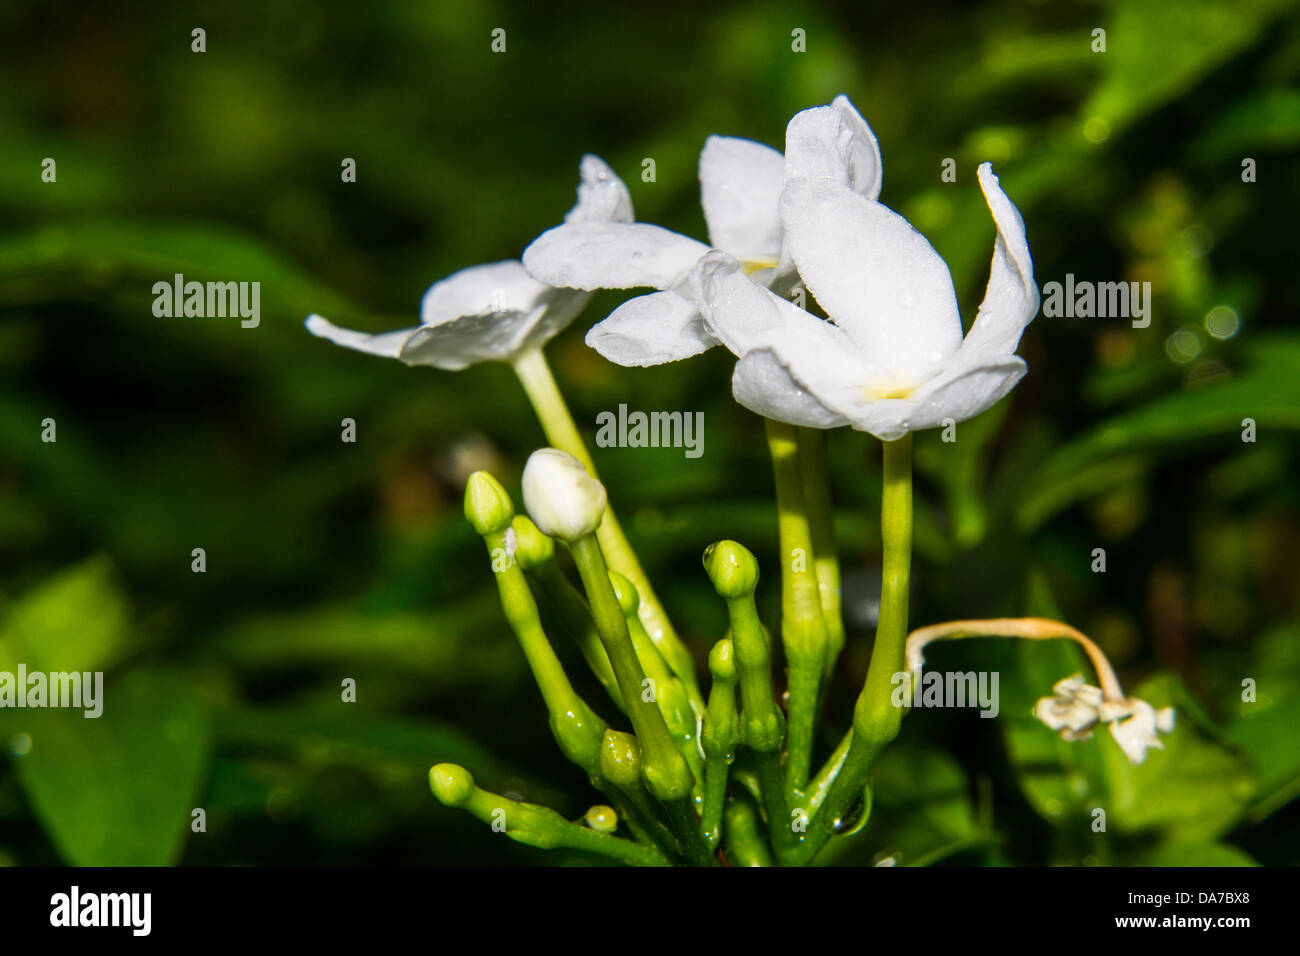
(328, 560)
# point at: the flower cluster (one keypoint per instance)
(880, 348)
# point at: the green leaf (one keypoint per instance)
(1197, 854)
(390, 746)
(1194, 789)
(74, 621)
(116, 790)
(1266, 390)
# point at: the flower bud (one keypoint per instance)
(532, 548)
(620, 759)
(731, 568)
(451, 784)
(602, 819)
(722, 661)
(564, 501)
(487, 506)
(625, 592)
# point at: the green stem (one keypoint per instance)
(576, 618)
(665, 771)
(577, 729)
(821, 784)
(535, 825)
(718, 738)
(826, 560)
(561, 431)
(744, 834)
(803, 630)
(876, 720)
(762, 728)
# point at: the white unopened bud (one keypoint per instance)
(562, 499)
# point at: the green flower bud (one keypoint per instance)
(625, 592)
(532, 548)
(451, 784)
(487, 506)
(731, 568)
(722, 661)
(602, 819)
(565, 501)
(620, 759)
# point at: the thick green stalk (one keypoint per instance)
(875, 718)
(803, 630)
(669, 692)
(576, 727)
(743, 834)
(532, 824)
(762, 727)
(665, 771)
(826, 559)
(561, 431)
(719, 737)
(576, 617)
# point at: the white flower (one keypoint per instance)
(741, 182)
(1073, 711)
(1078, 708)
(495, 311)
(1137, 734)
(562, 499)
(892, 358)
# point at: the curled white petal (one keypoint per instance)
(1073, 711)
(762, 383)
(651, 330)
(1011, 299)
(594, 255)
(493, 287)
(740, 190)
(386, 344)
(602, 196)
(834, 142)
(875, 275)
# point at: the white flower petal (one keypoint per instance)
(834, 142)
(875, 275)
(1073, 711)
(962, 392)
(469, 339)
(740, 189)
(1011, 300)
(651, 330)
(386, 344)
(602, 196)
(494, 287)
(591, 255)
(810, 371)
(764, 385)
(1137, 735)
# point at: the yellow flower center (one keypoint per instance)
(750, 266)
(888, 388)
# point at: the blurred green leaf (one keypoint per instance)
(117, 790)
(1267, 390)
(1197, 854)
(1193, 789)
(77, 620)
